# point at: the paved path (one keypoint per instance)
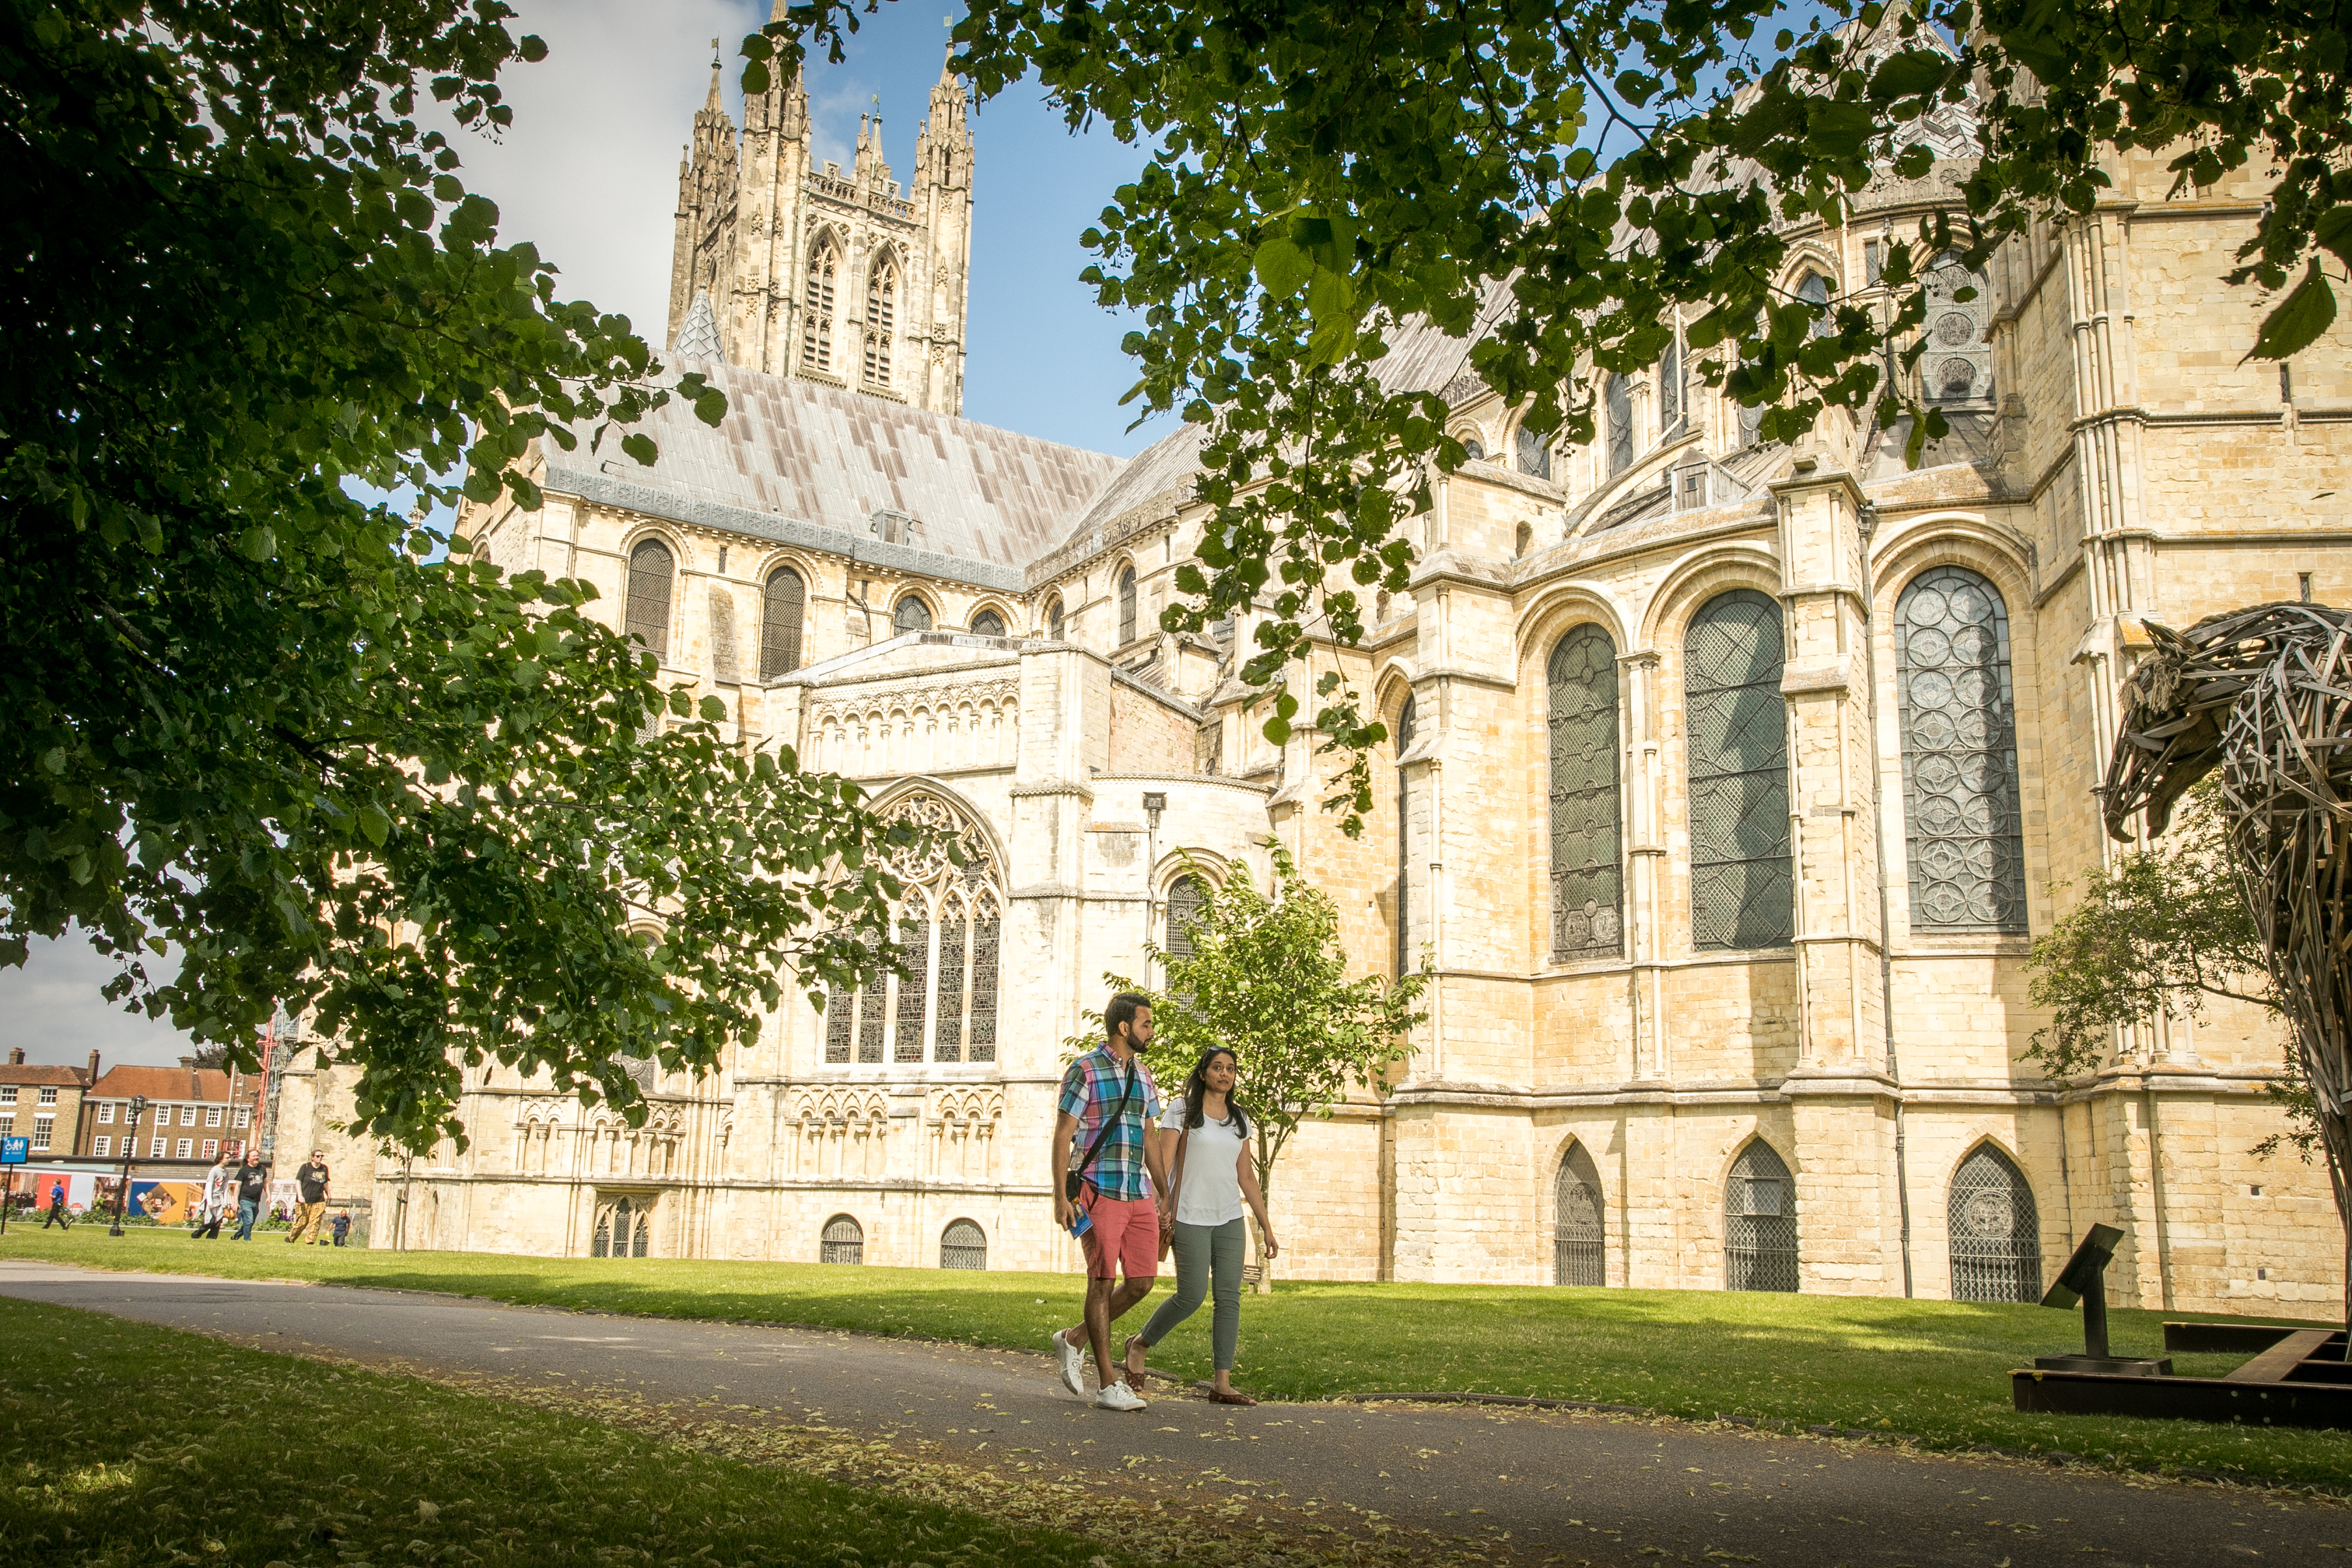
(1616, 1491)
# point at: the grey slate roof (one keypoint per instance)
(797, 460)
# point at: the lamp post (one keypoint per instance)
(129, 1146)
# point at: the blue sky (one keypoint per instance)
(588, 173)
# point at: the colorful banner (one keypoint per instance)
(166, 1203)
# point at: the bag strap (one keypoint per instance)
(1109, 1121)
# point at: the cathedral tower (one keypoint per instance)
(841, 277)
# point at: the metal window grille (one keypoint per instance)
(1579, 1238)
(1534, 454)
(915, 951)
(611, 1239)
(913, 615)
(988, 624)
(1760, 1223)
(1965, 834)
(1741, 893)
(844, 1241)
(1617, 405)
(1186, 898)
(962, 1245)
(1996, 1231)
(1588, 882)
(602, 1246)
(644, 1236)
(1127, 606)
(781, 614)
(647, 616)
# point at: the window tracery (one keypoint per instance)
(1534, 454)
(911, 616)
(1742, 892)
(816, 335)
(881, 317)
(1960, 791)
(988, 624)
(1587, 876)
(1617, 407)
(945, 1010)
(645, 615)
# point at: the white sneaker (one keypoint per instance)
(1119, 1396)
(1074, 1364)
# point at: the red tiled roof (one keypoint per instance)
(26, 1072)
(171, 1083)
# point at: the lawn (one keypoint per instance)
(143, 1446)
(1934, 1368)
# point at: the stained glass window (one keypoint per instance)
(1741, 892)
(1959, 755)
(1617, 408)
(1957, 366)
(1125, 604)
(915, 951)
(646, 615)
(954, 908)
(1579, 1238)
(1588, 884)
(869, 1028)
(1534, 453)
(780, 613)
(1054, 619)
(1813, 288)
(840, 1024)
(1996, 1231)
(955, 937)
(1670, 388)
(985, 935)
(1760, 1223)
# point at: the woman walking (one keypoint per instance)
(1210, 1178)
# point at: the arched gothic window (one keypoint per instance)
(1405, 723)
(1053, 622)
(623, 1229)
(1760, 1223)
(1958, 365)
(1751, 425)
(1813, 288)
(950, 935)
(911, 616)
(842, 1241)
(988, 624)
(816, 332)
(1617, 408)
(1959, 755)
(1580, 1245)
(646, 614)
(1741, 892)
(780, 613)
(1534, 454)
(1670, 388)
(1186, 896)
(1126, 605)
(963, 1244)
(1473, 449)
(881, 318)
(1996, 1231)
(1587, 883)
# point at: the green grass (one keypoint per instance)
(123, 1444)
(1935, 1369)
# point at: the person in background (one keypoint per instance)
(310, 1185)
(219, 1198)
(342, 1225)
(56, 1208)
(252, 1181)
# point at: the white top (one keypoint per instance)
(1211, 1191)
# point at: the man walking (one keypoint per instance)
(252, 1181)
(56, 1208)
(219, 1196)
(1108, 1099)
(310, 1185)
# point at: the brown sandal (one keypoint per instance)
(1229, 1398)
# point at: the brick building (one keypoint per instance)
(43, 1104)
(193, 1114)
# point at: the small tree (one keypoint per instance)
(1268, 978)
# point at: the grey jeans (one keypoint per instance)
(1205, 1252)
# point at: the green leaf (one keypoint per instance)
(2298, 320)
(2334, 230)
(374, 825)
(636, 443)
(713, 709)
(258, 542)
(1281, 268)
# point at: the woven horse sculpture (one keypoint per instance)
(2265, 694)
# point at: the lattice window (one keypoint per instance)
(1187, 895)
(1741, 893)
(912, 615)
(881, 319)
(1964, 832)
(842, 1241)
(963, 1246)
(1534, 454)
(1760, 1223)
(783, 609)
(646, 612)
(1617, 408)
(915, 950)
(1407, 719)
(1813, 288)
(1125, 604)
(988, 624)
(1579, 1238)
(1670, 388)
(1588, 881)
(1996, 1231)
(816, 336)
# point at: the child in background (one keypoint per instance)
(342, 1225)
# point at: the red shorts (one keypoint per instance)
(1124, 1238)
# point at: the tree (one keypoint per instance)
(1268, 978)
(2162, 933)
(1552, 182)
(439, 807)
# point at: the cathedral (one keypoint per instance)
(1730, 781)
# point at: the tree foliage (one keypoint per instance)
(1268, 978)
(247, 716)
(1550, 182)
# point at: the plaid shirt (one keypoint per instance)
(1092, 1089)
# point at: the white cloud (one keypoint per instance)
(52, 1008)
